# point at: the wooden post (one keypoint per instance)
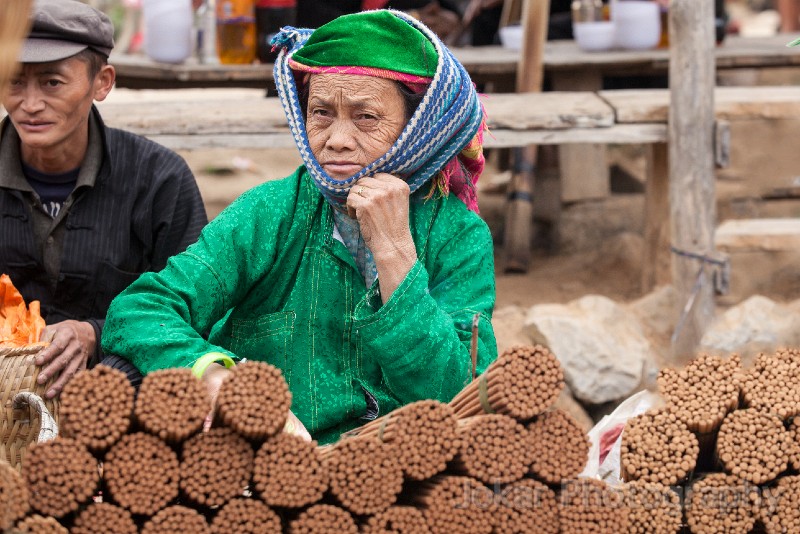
(519, 216)
(656, 262)
(691, 160)
(14, 26)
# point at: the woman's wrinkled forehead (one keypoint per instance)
(353, 90)
(414, 86)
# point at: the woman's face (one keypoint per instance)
(352, 121)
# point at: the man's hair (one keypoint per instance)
(94, 60)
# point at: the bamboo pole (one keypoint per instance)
(519, 216)
(14, 26)
(691, 163)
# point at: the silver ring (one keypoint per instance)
(360, 191)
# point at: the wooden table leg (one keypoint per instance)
(518, 232)
(584, 169)
(656, 264)
(519, 217)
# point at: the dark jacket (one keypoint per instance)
(140, 207)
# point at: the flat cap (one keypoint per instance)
(62, 28)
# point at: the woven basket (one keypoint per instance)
(21, 421)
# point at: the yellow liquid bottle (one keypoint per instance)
(664, 40)
(236, 31)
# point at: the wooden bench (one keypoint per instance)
(189, 119)
(759, 235)
(201, 118)
(192, 119)
(764, 254)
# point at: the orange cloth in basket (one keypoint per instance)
(19, 325)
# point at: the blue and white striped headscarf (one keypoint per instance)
(448, 118)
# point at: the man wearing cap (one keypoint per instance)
(84, 209)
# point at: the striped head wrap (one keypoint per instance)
(443, 138)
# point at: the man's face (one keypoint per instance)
(49, 105)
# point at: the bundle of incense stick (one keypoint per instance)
(172, 404)
(522, 383)
(216, 466)
(103, 517)
(288, 472)
(96, 407)
(526, 506)
(721, 503)
(142, 473)
(652, 508)
(396, 520)
(39, 524)
(704, 391)
(753, 446)
(61, 476)
(246, 516)
(426, 434)
(794, 444)
(364, 474)
(14, 496)
(495, 449)
(559, 447)
(773, 383)
(780, 506)
(657, 447)
(453, 504)
(323, 519)
(177, 519)
(254, 400)
(589, 505)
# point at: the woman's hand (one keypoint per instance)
(213, 378)
(295, 427)
(380, 204)
(215, 375)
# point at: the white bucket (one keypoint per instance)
(168, 29)
(637, 23)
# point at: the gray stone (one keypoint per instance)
(601, 346)
(756, 325)
(657, 311)
(508, 324)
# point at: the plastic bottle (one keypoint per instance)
(663, 42)
(720, 23)
(587, 10)
(236, 31)
(168, 29)
(271, 16)
(206, 36)
(720, 20)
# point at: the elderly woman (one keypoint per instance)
(360, 274)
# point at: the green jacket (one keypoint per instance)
(268, 281)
